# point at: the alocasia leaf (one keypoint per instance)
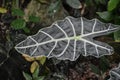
(68, 38)
(74, 4)
(115, 73)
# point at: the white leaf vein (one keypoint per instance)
(68, 41)
(73, 27)
(94, 25)
(47, 34)
(82, 26)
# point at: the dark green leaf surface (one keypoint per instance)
(40, 78)
(95, 69)
(34, 19)
(18, 24)
(117, 36)
(17, 12)
(54, 7)
(36, 73)
(107, 16)
(104, 64)
(27, 30)
(27, 76)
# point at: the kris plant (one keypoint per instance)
(69, 38)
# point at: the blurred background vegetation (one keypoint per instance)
(20, 18)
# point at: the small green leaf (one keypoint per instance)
(34, 19)
(36, 73)
(18, 24)
(104, 64)
(107, 16)
(54, 7)
(17, 12)
(27, 76)
(95, 69)
(112, 4)
(74, 4)
(40, 78)
(117, 36)
(27, 30)
(117, 33)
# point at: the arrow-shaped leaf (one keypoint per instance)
(68, 38)
(115, 73)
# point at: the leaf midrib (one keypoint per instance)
(66, 38)
(52, 40)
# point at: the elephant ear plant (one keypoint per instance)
(67, 39)
(115, 73)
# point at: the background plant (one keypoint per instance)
(112, 15)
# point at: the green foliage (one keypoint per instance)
(34, 18)
(54, 7)
(35, 75)
(96, 3)
(112, 4)
(95, 69)
(102, 67)
(100, 1)
(104, 64)
(112, 15)
(27, 76)
(18, 24)
(75, 4)
(26, 29)
(117, 36)
(17, 12)
(40, 78)
(107, 16)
